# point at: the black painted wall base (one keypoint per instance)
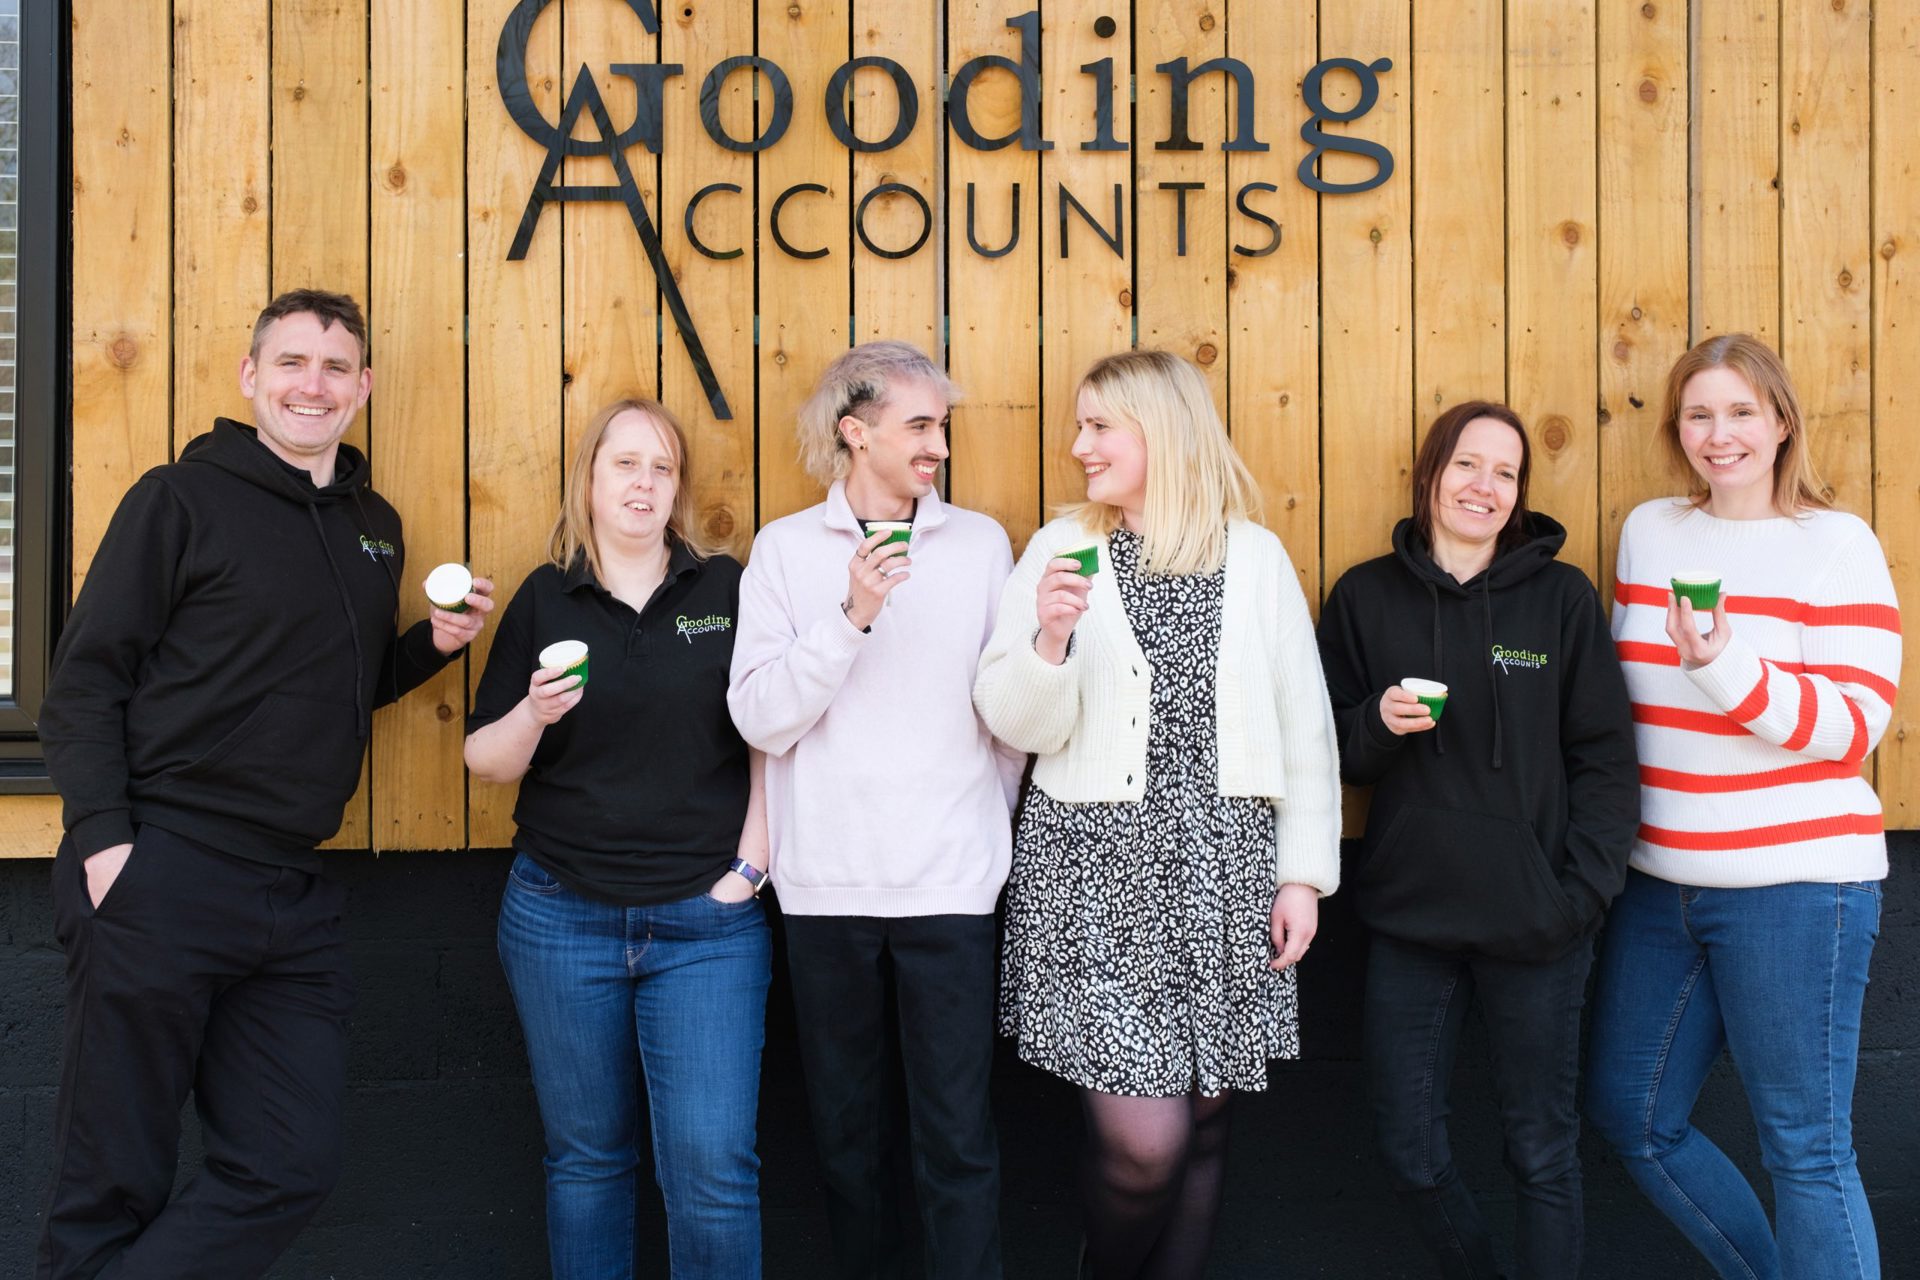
(443, 1172)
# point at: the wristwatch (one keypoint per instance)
(754, 876)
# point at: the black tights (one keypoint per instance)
(1151, 1186)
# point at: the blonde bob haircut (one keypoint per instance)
(573, 532)
(1196, 481)
(1797, 487)
(856, 384)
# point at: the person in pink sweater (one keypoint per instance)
(1753, 899)
(861, 621)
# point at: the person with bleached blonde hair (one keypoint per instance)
(1184, 818)
(861, 620)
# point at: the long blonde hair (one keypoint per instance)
(1196, 481)
(1796, 481)
(573, 530)
(858, 381)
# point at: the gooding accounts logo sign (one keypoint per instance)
(583, 99)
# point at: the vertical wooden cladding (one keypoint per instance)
(993, 303)
(896, 297)
(609, 326)
(1643, 250)
(1086, 288)
(1735, 142)
(223, 70)
(319, 221)
(513, 348)
(417, 288)
(1552, 268)
(1825, 218)
(1896, 368)
(1273, 299)
(805, 303)
(1459, 206)
(1180, 195)
(1366, 298)
(122, 225)
(719, 291)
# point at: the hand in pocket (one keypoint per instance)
(103, 868)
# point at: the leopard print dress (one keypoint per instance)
(1136, 950)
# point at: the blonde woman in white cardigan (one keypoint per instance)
(1184, 819)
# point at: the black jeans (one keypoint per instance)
(1416, 1003)
(205, 972)
(942, 978)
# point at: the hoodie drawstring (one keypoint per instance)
(1433, 594)
(363, 717)
(1493, 677)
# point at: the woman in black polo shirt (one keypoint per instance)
(629, 929)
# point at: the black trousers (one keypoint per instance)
(1416, 1005)
(206, 972)
(941, 973)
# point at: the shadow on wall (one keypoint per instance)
(443, 1177)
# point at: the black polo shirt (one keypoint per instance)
(637, 795)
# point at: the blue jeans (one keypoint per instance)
(1416, 1006)
(1777, 975)
(606, 993)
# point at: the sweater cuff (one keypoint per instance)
(1729, 678)
(101, 830)
(1376, 730)
(1319, 868)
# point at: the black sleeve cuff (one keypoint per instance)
(101, 830)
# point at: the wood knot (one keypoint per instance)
(1622, 351)
(1649, 91)
(1636, 402)
(1570, 234)
(123, 351)
(443, 713)
(780, 358)
(1126, 297)
(720, 523)
(299, 93)
(1285, 399)
(1845, 278)
(397, 178)
(793, 11)
(1206, 22)
(1374, 234)
(1605, 416)
(1888, 249)
(250, 204)
(1648, 11)
(1206, 353)
(1555, 433)
(1636, 313)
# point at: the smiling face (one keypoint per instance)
(898, 447)
(1474, 494)
(1731, 436)
(1114, 457)
(636, 472)
(306, 382)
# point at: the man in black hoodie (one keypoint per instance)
(205, 725)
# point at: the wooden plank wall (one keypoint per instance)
(1581, 188)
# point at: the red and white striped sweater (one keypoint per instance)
(1750, 765)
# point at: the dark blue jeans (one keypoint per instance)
(1416, 1004)
(605, 993)
(1777, 975)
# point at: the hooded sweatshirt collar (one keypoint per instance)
(235, 447)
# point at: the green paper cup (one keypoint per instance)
(568, 657)
(447, 587)
(897, 531)
(1087, 556)
(1699, 586)
(1430, 692)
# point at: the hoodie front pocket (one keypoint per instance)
(289, 766)
(1465, 881)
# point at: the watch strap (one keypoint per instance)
(748, 872)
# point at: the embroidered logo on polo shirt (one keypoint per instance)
(1526, 659)
(687, 628)
(375, 547)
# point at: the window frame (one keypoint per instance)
(42, 409)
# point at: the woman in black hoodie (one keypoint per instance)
(1496, 834)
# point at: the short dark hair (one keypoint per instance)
(327, 308)
(1437, 450)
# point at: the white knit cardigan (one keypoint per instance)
(1086, 719)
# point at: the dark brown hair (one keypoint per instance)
(328, 308)
(1443, 437)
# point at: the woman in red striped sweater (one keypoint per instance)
(1752, 907)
